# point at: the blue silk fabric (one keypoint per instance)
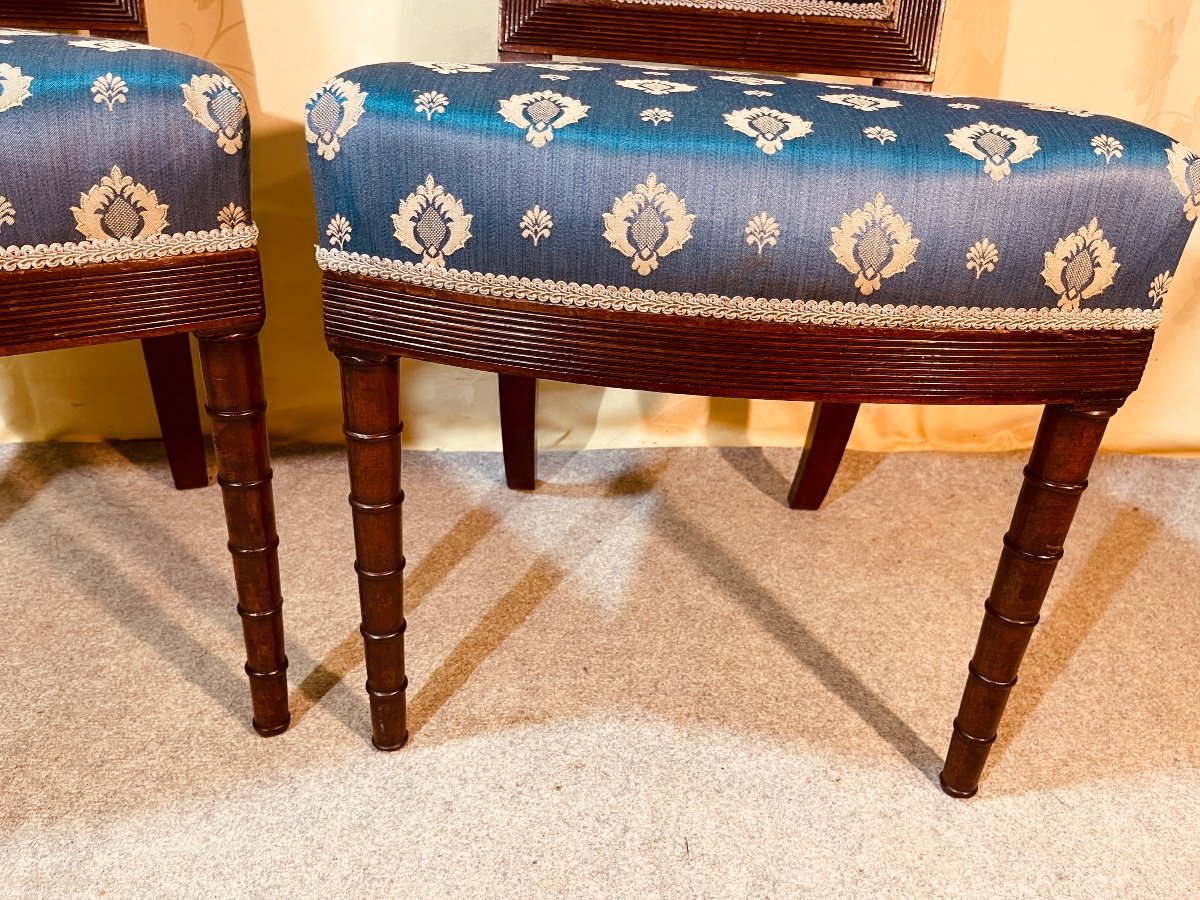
(709, 193)
(111, 150)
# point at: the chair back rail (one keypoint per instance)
(887, 40)
(104, 18)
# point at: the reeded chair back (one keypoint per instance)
(733, 234)
(154, 261)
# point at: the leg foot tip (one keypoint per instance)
(955, 792)
(387, 748)
(272, 730)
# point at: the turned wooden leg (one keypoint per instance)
(518, 430)
(169, 363)
(1055, 478)
(371, 401)
(233, 383)
(828, 431)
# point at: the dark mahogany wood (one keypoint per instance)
(169, 363)
(1055, 479)
(731, 358)
(236, 404)
(902, 46)
(518, 430)
(71, 306)
(116, 18)
(828, 432)
(371, 400)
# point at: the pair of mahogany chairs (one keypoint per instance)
(728, 231)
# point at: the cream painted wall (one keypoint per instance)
(1139, 60)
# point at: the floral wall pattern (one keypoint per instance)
(1138, 59)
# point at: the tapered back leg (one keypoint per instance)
(518, 430)
(169, 364)
(828, 432)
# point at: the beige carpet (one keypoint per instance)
(648, 679)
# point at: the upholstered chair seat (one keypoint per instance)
(706, 193)
(114, 151)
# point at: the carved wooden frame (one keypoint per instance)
(117, 18)
(902, 47)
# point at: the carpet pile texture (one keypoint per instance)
(649, 678)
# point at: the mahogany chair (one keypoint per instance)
(733, 234)
(125, 214)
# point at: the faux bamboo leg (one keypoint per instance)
(233, 383)
(1055, 478)
(371, 401)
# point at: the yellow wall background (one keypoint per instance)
(1138, 59)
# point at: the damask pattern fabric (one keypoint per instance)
(111, 150)
(710, 193)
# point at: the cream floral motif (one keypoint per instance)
(762, 231)
(5, 42)
(861, 101)
(769, 127)
(1159, 287)
(536, 224)
(873, 243)
(656, 86)
(14, 87)
(997, 147)
(432, 223)
(758, 93)
(118, 207)
(963, 105)
(231, 216)
(454, 68)
(876, 133)
(215, 102)
(550, 76)
(716, 306)
(648, 223)
(111, 45)
(160, 246)
(18, 32)
(982, 257)
(663, 67)
(1081, 266)
(656, 115)
(1081, 113)
(565, 67)
(1184, 166)
(541, 114)
(339, 231)
(331, 112)
(1108, 147)
(430, 103)
(832, 87)
(110, 90)
(746, 79)
(8, 215)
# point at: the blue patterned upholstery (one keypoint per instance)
(708, 193)
(113, 151)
